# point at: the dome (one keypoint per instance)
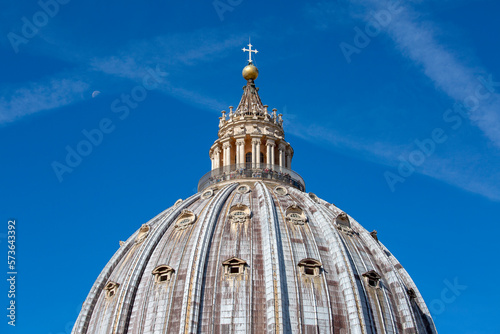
(253, 252)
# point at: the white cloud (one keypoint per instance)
(34, 97)
(416, 41)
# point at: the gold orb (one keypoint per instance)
(250, 72)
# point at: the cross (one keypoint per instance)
(249, 50)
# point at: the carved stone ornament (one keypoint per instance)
(243, 189)
(295, 215)
(186, 219)
(343, 220)
(281, 191)
(239, 213)
(314, 197)
(143, 233)
(207, 194)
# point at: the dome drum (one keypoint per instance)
(264, 172)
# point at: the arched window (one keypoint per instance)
(248, 158)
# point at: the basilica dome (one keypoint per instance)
(253, 252)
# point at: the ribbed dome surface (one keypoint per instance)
(254, 259)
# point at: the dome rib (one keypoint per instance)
(197, 260)
(338, 255)
(273, 272)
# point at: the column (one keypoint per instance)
(216, 158)
(257, 157)
(227, 153)
(270, 152)
(281, 149)
(273, 149)
(289, 158)
(240, 151)
(254, 152)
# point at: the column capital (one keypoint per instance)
(256, 141)
(270, 142)
(281, 146)
(240, 141)
(226, 144)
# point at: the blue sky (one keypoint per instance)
(392, 109)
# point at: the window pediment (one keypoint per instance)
(234, 266)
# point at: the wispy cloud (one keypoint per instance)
(34, 97)
(416, 41)
(180, 51)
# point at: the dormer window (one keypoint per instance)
(110, 289)
(295, 215)
(239, 213)
(234, 266)
(185, 219)
(372, 278)
(310, 267)
(163, 273)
